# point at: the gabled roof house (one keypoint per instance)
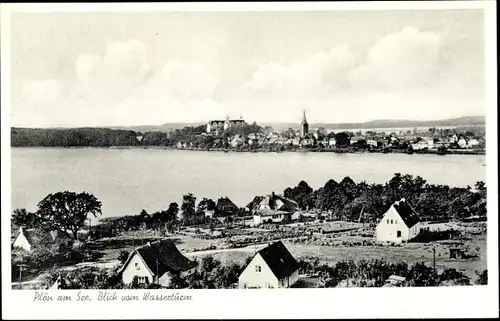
(399, 224)
(155, 263)
(271, 267)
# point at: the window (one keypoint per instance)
(142, 279)
(391, 222)
(399, 234)
(258, 268)
(137, 266)
(387, 221)
(395, 221)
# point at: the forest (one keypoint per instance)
(346, 200)
(106, 137)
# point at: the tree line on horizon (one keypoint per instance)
(346, 200)
(106, 137)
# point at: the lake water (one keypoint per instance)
(128, 180)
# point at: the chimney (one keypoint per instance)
(20, 229)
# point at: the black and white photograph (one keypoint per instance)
(152, 151)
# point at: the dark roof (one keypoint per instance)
(279, 260)
(168, 256)
(224, 203)
(279, 203)
(407, 213)
(38, 237)
(256, 200)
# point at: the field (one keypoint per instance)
(337, 250)
(409, 254)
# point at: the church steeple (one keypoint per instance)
(304, 128)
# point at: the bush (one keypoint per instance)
(482, 278)
(427, 235)
(123, 256)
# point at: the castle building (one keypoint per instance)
(222, 125)
(304, 127)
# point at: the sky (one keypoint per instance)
(124, 69)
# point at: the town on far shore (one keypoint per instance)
(405, 232)
(236, 134)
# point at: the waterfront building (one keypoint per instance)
(271, 267)
(462, 142)
(473, 143)
(372, 142)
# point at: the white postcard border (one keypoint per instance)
(472, 301)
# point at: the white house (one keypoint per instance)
(430, 143)
(21, 241)
(156, 263)
(372, 142)
(473, 142)
(422, 144)
(27, 239)
(399, 224)
(274, 208)
(270, 216)
(271, 267)
(237, 141)
(462, 142)
(332, 141)
(307, 142)
(394, 280)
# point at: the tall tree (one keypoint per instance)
(188, 207)
(67, 211)
(172, 211)
(341, 139)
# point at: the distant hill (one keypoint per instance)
(157, 128)
(385, 123)
(388, 123)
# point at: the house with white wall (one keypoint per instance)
(272, 267)
(399, 224)
(274, 208)
(156, 263)
(462, 142)
(473, 143)
(28, 239)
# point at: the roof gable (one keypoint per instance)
(279, 259)
(38, 237)
(161, 257)
(225, 203)
(279, 203)
(406, 212)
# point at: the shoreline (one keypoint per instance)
(294, 150)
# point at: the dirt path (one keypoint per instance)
(249, 248)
